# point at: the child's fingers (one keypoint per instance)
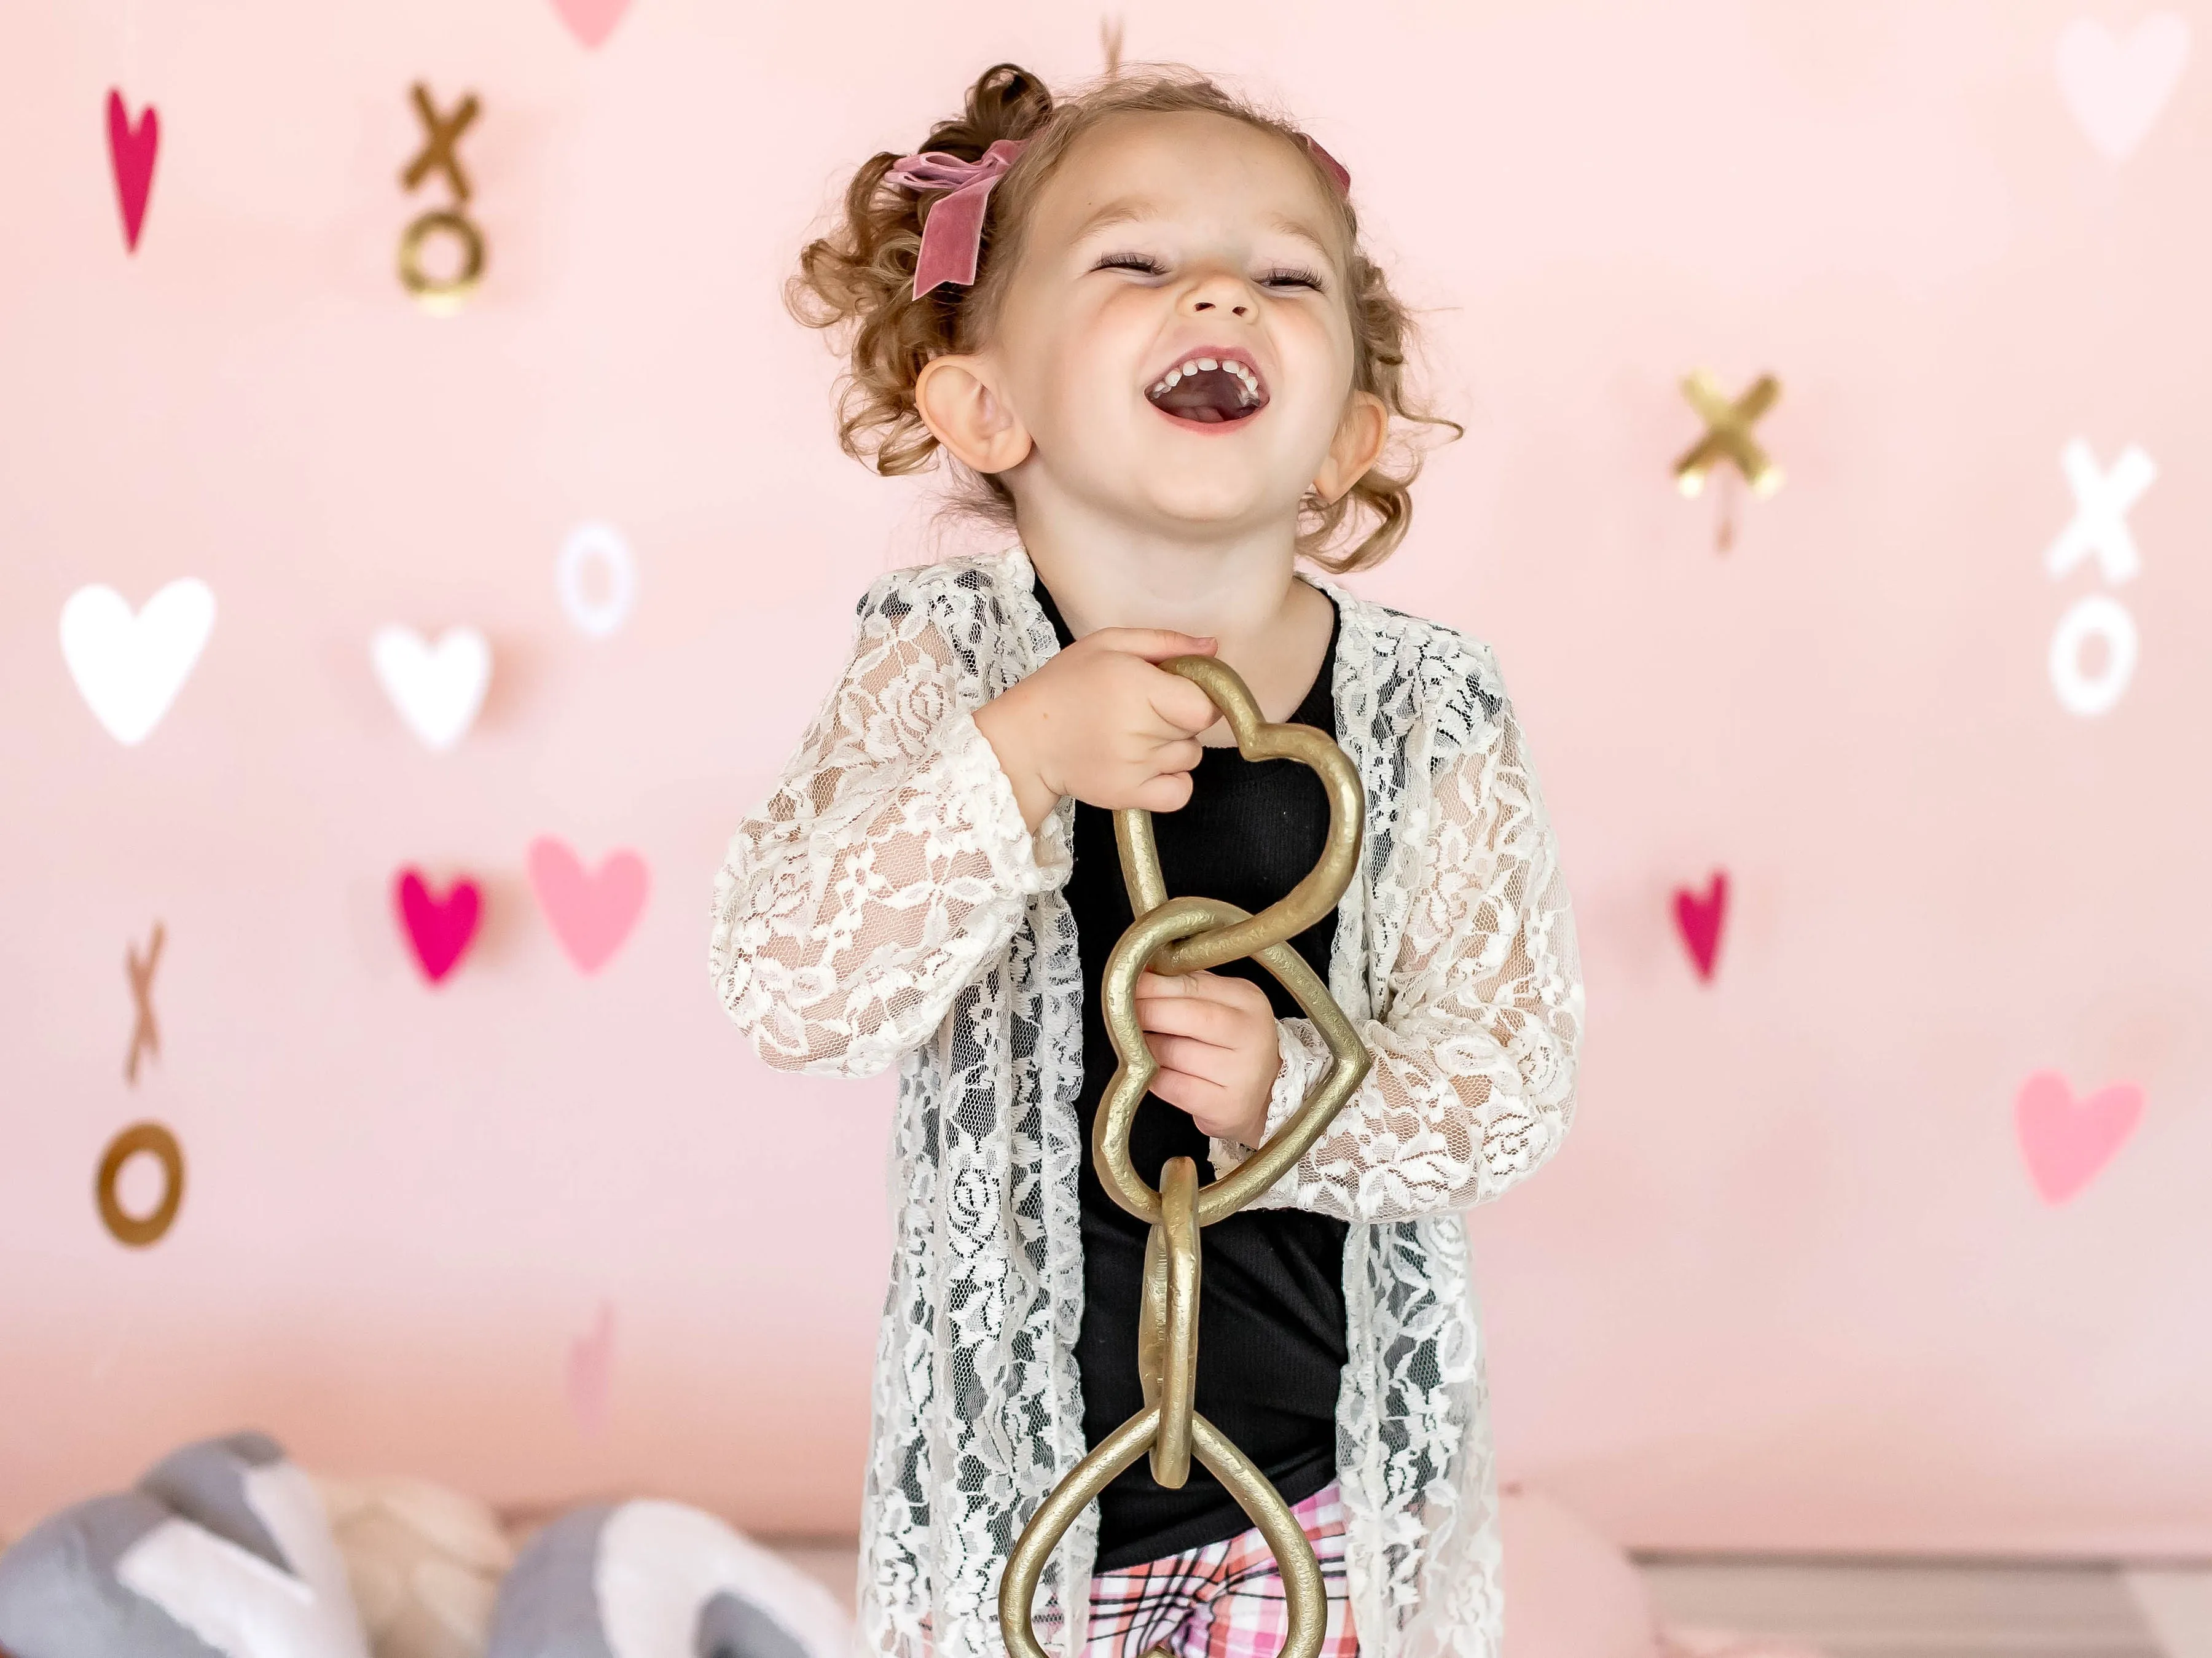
(1180, 703)
(1219, 1023)
(1153, 644)
(1179, 756)
(1203, 1099)
(1193, 1056)
(1168, 792)
(1225, 988)
(1200, 983)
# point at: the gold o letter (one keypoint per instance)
(440, 294)
(139, 1230)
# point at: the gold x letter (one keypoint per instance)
(442, 134)
(1727, 434)
(145, 1036)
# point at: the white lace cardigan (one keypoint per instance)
(889, 905)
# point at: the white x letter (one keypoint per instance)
(2100, 503)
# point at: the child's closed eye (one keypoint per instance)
(1143, 263)
(1292, 277)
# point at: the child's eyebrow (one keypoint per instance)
(1294, 228)
(1129, 210)
(1134, 209)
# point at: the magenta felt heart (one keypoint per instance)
(1699, 920)
(2067, 1141)
(439, 928)
(131, 148)
(591, 913)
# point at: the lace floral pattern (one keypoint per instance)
(887, 905)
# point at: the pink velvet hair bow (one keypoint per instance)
(1332, 167)
(952, 234)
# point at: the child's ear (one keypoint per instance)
(1357, 445)
(965, 413)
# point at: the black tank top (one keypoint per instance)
(1270, 1342)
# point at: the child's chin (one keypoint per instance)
(1213, 497)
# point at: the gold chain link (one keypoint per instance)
(1182, 935)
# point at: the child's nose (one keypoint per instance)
(1220, 291)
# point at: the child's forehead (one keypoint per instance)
(1140, 166)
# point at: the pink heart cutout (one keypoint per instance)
(2067, 1142)
(590, 21)
(591, 914)
(591, 1371)
(1699, 920)
(131, 148)
(439, 928)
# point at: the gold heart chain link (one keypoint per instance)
(1184, 935)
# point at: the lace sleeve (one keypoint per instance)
(891, 862)
(1473, 1079)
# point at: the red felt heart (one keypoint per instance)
(131, 147)
(439, 928)
(1699, 920)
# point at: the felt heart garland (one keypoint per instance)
(129, 666)
(2116, 86)
(1698, 920)
(131, 148)
(592, 912)
(2067, 1142)
(439, 929)
(437, 688)
(590, 21)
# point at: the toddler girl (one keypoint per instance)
(1140, 324)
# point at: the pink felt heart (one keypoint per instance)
(590, 21)
(2066, 1141)
(131, 147)
(1699, 920)
(439, 928)
(591, 1371)
(591, 914)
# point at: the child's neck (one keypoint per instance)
(1240, 589)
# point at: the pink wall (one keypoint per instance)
(1791, 1284)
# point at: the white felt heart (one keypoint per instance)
(129, 667)
(2116, 85)
(437, 688)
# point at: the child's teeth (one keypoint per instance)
(1247, 379)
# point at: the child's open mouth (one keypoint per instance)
(1208, 391)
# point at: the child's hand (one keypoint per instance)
(1214, 1037)
(1101, 723)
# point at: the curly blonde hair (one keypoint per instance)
(857, 283)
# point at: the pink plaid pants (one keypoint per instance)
(1224, 1601)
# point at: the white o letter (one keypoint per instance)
(2098, 615)
(602, 542)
